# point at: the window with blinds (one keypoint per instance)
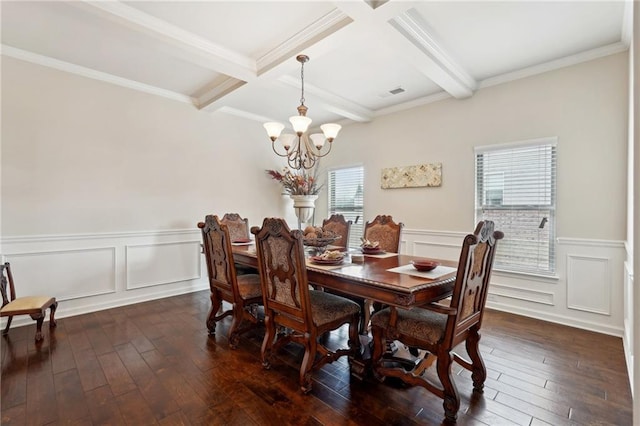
(346, 188)
(516, 188)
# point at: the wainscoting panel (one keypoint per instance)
(156, 264)
(65, 274)
(585, 292)
(91, 272)
(583, 271)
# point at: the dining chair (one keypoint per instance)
(299, 314)
(437, 328)
(239, 232)
(34, 306)
(385, 231)
(340, 227)
(241, 291)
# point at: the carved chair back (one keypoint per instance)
(7, 281)
(238, 227)
(385, 231)
(472, 282)
(217, 249)
(283, 273)
(339, 226)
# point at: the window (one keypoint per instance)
(516, 188)
(346, 198)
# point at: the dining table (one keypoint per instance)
(387, 278)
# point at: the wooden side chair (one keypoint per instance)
(35, 306)
(300, 315)
(339, 226)
(438, 329)
(385, 231)
(241, 291)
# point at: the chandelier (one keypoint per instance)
(307, 149)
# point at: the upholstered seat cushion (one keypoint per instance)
(249, 286)
(327, 307)
(418, 323)
(26, 304)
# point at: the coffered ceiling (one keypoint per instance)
(238, 57)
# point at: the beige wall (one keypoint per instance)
(585, 106)
(83, 156)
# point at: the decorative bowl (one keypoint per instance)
(372, 250)
(424, 265)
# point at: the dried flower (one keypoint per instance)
(299, 182)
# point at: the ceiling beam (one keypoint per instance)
(414, 42)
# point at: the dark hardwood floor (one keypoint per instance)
(153, 363)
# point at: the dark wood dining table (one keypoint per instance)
(372, 280)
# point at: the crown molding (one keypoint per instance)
(310, 35)
(46, 61)
(567, 61)
(627, 23)
(226, 61)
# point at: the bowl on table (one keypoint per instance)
(372, 250)
(424, 265)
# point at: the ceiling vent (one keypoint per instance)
(396, 91)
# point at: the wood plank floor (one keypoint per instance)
(153, 363)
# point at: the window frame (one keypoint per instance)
(357, 228)
(480, 209)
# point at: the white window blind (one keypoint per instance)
(516, 188)
(346, 188)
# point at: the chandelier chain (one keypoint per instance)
(302, 79)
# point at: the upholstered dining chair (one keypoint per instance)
(239, 232)
(339, 226)
(238, 226)
(301, 315)
(437, 328)
(385, 231)
(241, 291)
(34, 306)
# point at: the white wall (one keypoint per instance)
(585, 106)
(102, 187)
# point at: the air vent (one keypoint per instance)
(396, 91)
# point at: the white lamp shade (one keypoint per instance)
(330, 130)
(317, 139)
(300, 123)
(273, 129)
(286, 140)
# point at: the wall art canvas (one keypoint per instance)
(421, 175)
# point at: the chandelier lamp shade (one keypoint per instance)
(302, 150)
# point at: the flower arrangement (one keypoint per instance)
(299, 182)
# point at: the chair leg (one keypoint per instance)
(234, 336)
(354, 336)
(267, 342)
(52, 315)
(39, 318)
(310, 348)
(6, 329)
(451, 397)
(216, 303)
(479, 371)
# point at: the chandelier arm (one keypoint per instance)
(322, 155)
(273, 146)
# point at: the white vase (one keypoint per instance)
(304, 206)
